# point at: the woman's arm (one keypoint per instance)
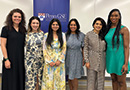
(125, 33)
(46, 53)
(82, 44)
(86, 51)
(4, 51)
(83, 56)
(63, 52)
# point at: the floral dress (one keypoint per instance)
(54, 77)
(33, 59)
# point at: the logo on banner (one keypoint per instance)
(48, 17)
(41, 16)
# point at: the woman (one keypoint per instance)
(34, 55)
(74, 55)
(54, 48)
(117, 54)
(94, 54)
(12, 45)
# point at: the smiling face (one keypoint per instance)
(35, 24)
(55, 26)
(73, 26)
(115, 17)
(16, 18)
(97, 26)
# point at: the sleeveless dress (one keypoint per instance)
(115, 58)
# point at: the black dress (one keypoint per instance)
(14, 78)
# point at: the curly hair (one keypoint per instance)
(9, 22)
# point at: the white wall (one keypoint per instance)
(84, 10)
(87, 10)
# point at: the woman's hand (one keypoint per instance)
(124, 69)
(57, 63)
(52, 64)
(7, 64)
(87, 65)
(83, 63)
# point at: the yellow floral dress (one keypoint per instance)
(54, 77)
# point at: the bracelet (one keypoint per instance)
(5, 59)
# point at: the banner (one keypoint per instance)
(46, 10)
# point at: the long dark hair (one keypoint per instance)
(9, 22)
(50, 33)
(118, 27)
(102, 31)
(30, 21)
(77, 30)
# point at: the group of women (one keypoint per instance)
(49, 57)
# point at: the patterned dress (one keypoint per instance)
(94, 54)
(33, 59)
(74, 57)
(54, 77)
